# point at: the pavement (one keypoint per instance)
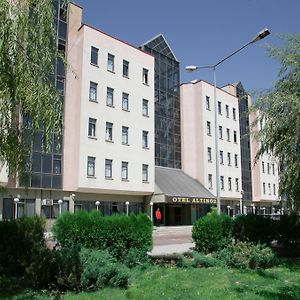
(172, 240)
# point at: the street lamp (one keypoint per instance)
(241, 202)
(16, 201)
(97, 205)
(151, 211)
(127, 207)
(60, 202)
(228, 210)
(262, 34)
(253, 208)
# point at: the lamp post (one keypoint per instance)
(127, 207)
(151, 211)
(97, 205)
(262, 34)
(60, 202)
(253, 208)
(228, 210)
(241, 202)
(16, 201)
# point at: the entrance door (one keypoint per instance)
(8, 208)
(177, 215)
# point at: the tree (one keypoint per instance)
(29, 100)
(280, 110)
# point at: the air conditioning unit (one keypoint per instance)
(47, 202)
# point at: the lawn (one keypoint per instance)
(157, 282)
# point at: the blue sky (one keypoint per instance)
(202, 32)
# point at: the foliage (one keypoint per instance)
(122, 236)
(27, 58)
(279, 109)
(289, 233)
(246, 255)
(100, 269)
(21, 240)
(212, 232)
(204, 261)
(254, 228)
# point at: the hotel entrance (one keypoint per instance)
(178, 215)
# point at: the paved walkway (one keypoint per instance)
(172, 240)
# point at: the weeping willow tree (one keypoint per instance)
(280, 109)
(29, 100)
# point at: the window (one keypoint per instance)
(209, 154)
(52, 211)
(221, 158)
(228, 134)
(229, 158)
(220, 132)
(235, 136)
(93, 91)
(207, 102)
(145, 173)
(110, 62)
(273, 169)
(274, 189)
(145, 139)
(263, 166)
(222, 182)
(236, 160)
(94, 56)
(110, 97)
(125, 68)
(124, 170)
(219, 108)
(210, 186)
(91, 166)
(229, 184)
(208, 128)
(125, 101)
(145, 76)
(234, 114)
(264, 188)
(227, 111)
(269, 188)
(109, 131)
(92, 127)
(145, 107)
(125, 135)
(268, 168)
(108, 168)
(236, 184)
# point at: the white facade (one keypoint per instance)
(104, 143)
(198, 144)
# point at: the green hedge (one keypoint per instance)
(255, 228)
(212, 232)
(21, 240)
(120, 235)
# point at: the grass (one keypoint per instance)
(157, 282)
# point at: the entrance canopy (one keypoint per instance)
(174, 186)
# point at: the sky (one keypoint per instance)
(202, 32)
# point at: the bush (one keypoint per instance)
(204, 261)
(21, 240)
(212, 232)
(246, 255)
(254, 228)
(120, 235)
(289, 233)
(100, 269)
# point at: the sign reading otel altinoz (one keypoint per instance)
(190, 200)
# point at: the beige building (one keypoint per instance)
(198, 140)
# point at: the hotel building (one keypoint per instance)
(198, 141)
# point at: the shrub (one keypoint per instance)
(204, 261)
(21, 239)
(120, 235)
(246, 255)
(212, 232)
(254, 228)
(289, 233)
(100, 269)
